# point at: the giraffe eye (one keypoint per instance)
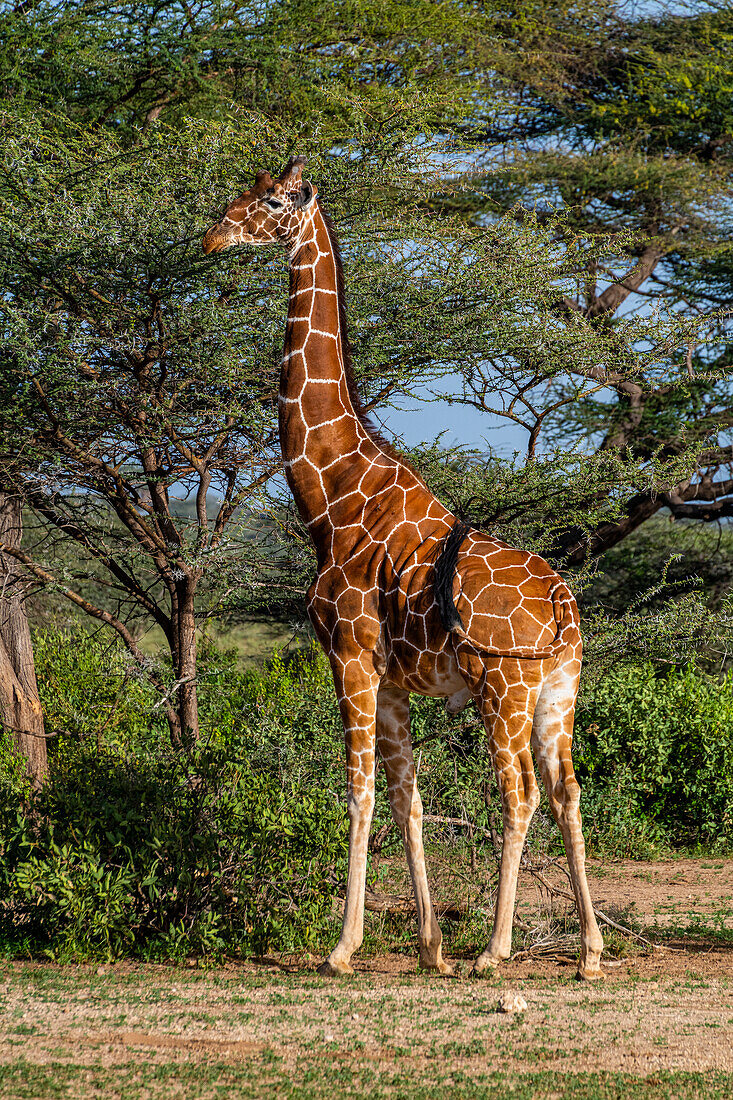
(274, 204)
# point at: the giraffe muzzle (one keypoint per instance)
(215, 240)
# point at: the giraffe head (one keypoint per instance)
(272, 210)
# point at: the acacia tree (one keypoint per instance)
(624, 124)
(339, 66)
(134, 370)
(120, 68)
(619, 118)
(128, 379)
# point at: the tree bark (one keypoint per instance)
(20, 706)
(184, 655)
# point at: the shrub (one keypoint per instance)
(169, 856)
(241, 847)
(90, 688)
(234, 848)
(654, 753)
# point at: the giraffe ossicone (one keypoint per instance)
(400, 606)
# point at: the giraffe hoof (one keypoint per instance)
(483, 964)
(589, 974)
(331, 969)
(441, 967)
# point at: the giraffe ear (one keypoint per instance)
(263, 182)
(303, 198)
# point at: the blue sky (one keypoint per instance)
(415, 422)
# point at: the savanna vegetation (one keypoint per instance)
(239, 846)
(535, 215)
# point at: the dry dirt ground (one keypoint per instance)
(667, 894)
(660, 1025)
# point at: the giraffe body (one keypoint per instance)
(515, 648)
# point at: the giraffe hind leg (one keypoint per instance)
(552, 734)
(506, 691)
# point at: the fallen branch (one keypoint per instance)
(399, 905)
(600, 915)
(395, 904)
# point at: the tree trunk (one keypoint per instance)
(575, 546)
(20, 706)
(184, 656)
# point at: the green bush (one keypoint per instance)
(92, 689)
(235, 848)
(170, 856)
(241, 847)
(654, 753)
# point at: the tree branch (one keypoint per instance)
(614, 295)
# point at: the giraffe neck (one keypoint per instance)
(325, 446)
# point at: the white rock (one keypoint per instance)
(511, 1002)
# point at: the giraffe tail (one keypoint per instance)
(566, 618)
(445, 567)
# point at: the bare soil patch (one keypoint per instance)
(390, 1030)
(666, 894)
(674, 893)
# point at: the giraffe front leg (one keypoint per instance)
(356, 685)
(395, 748)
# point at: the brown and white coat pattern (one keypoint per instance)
(378, 531)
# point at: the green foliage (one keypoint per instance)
(122, 65)
(82, 905)
(236, 847)
(137, 850)
(91, 689)
(674, 84)
(655, 752)
(690, 556)
(599, 146)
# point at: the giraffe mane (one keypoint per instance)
(356, 400)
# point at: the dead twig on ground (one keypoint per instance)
(555, 891)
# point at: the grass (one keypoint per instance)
(263, 1076)
(155, 1032)
(253, 641)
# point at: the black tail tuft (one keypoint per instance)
(445, 567)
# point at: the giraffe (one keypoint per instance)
(406, 599)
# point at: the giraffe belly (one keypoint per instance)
(425, 672)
